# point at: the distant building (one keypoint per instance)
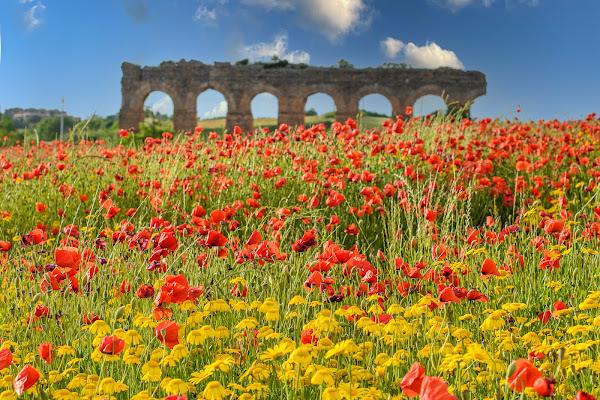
(29, 113)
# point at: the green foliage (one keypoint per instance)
(344, 64)
(242, 62)
(311, 112)
(372, 114)
(395, 65)
(49, 128)
(7, 125)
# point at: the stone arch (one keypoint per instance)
(319, 97)
(212, 104)
(184, 80)
(264, 100)
(160, 118)
(160, 102)
(424, 91)
(429, 104)
(371, 98)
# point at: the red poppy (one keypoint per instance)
(46, 352)
(447, 295)
(522, 374)
(111, 345)
(6, 358)
(314, 280)
(545, 317)
(581, 395)
(25, 379)
(553, 225)
(214, 238)
(430, 215)
(41, 207)
(166, 332)
(489, 268)
(544, 387)
(144, 291)
(434, 388)
(411, 383)
(67, 257)
(176, 397)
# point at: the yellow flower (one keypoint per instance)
(331, 394)
(296, 300)
(196, 337)
(247, 323)
(151, 371)
(258, 371)
(221, 332)
(177, 386)
(217, 305)
(64, 394)
(341, 348)
(131, 337)
(494, 321)
(99, 327)
(143, 395)
(108, 386)
(577, 329)
(300, 356)
(8, 395)
(280, 350)
(179, 351)
(214, 391)
(65, 350)
(322, 376)
(510, 307)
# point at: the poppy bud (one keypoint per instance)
(119, 313)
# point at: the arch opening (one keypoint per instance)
(158, 114)
(211, 110)
(319, 107)
(374, 109)
(265, 110)
(429, 105)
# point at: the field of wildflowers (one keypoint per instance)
(437, 258)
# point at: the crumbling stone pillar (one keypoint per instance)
(184, 113)
(291, 111)
(347, 108)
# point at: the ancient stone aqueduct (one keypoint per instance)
(185, 80)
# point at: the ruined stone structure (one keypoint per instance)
(185, 80)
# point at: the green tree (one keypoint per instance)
(344, 64)
(7, 125)
(49, 127)
(311, 113)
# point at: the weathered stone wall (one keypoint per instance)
(185, 80)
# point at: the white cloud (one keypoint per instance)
(163, 106)
(219, 111)
(429, 56)
(203, 14)
(336, 18)
(331, 18)
(391, 47)
(25, 1)
(278, 47)
(30, 19)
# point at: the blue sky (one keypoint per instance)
(542, 56)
